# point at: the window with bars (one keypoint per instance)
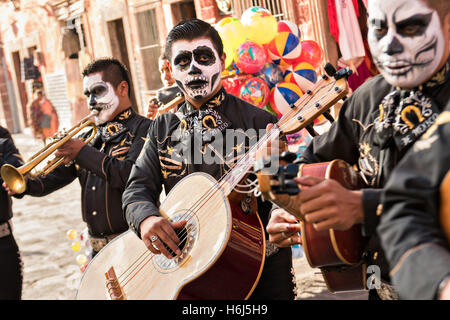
(278, 8)
(149, 47)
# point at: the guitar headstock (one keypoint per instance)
(330, 88)
(282, 181)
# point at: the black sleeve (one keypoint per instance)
(141, 197)
(10, 153)
(115, 171)
(410, 232)
(57, 179)
(339, 142)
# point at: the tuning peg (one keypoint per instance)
(288, 156)
(330, 69)
(345, 72)
(328, 116)
(311, 131)
(291, 171)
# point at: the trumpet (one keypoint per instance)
(15, 177)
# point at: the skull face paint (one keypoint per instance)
(406, 41)
(101, 96)
(196, 67)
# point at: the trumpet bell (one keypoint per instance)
(13, 178)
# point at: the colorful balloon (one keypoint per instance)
(303, 75)
(271, 74)
(71, 234)
(289, 26)
(261, 26)
(255, 91)
(250, 57)
(311, 52)
(82, 259)
(284, 49)
(283, 95)
(232, 33)
(233, 85)
(76, 246)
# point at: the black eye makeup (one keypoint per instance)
(97, 89)
(204, 56)
(380, 28)
(183, 59)
(414, 26)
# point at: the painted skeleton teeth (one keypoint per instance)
(196, 78)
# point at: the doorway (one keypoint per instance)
(119, 51)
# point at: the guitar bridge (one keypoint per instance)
(115, 291)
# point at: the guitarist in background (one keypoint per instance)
(196, 56)
(411, 235)
(409, 41)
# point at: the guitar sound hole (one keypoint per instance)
(183, 236)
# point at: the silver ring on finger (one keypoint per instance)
(154, 238)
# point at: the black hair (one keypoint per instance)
(190, 30)
(113, 71)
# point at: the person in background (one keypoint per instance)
(43, 117)
(167, 80)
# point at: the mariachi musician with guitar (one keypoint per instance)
(206, 239)
(375, 128)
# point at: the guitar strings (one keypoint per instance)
(240, 163)
(298, 103)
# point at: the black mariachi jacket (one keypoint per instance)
(8, 155)
(351, 138)
(411, 235)
(161, 161)
(102, 168)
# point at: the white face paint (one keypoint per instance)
(196, 67)
(100, 96)
(406, 41)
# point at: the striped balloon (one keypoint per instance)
(303, 75)
(289, 26)
(284, 49)
(283, 95)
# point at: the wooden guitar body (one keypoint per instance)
(337, 253)
(445, 205)
(222, 257)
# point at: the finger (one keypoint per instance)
(310, 193)
(269, 126)
(149, 244)
(170, 238)
(324, 225)
(308, 181)
(159, 243)
(290, 241)
(313, 205)
(277, 228)
(318, 216)
(280, 215)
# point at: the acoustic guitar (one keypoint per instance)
(223, 243)
(337, 253)
(445, 205)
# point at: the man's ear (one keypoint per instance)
(223, 57)
(122, 89)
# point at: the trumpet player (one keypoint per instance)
(103, 165)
